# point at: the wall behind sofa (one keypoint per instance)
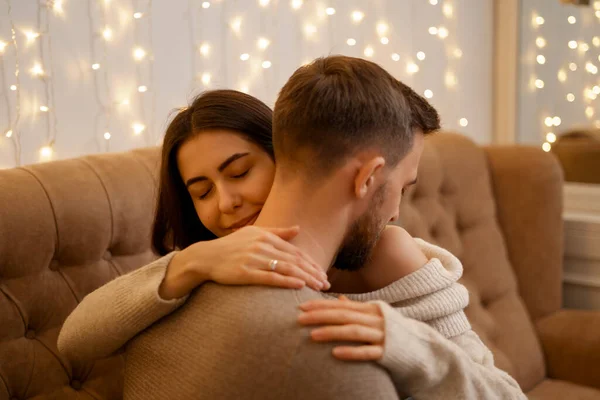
(83, 88)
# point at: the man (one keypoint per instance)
(346, 148)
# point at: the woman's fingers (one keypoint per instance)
(258, 277)
(292, 270)
(345, 304)
(340, 317)
(289, 248)
(358, 353)
(348, 333)
(285, 263)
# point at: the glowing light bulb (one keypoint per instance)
(125, 102)
(369, 51)
(264, 3)
(596, 41)
(139, 53)
(107, 135)
(382, 28)
(433, 2)
(584, 47)
(443, 32)
(95, 66)
(107, 33)
(31, 36)
(541, 59)
(206, 78)
(396, 57)
(458, 53)
(244, 88)
(46, 151)
(591, 68)
(310, 29)
(9, 133)
(421, 56)
(37, 70)
(537, 21)
(412, 68)
(596, 89)
(137, 15)
(546, 147)
(357, 16)
(296, 4)
(351, 42)
(550, 137)
(138, 128)
(266, 64)
(263, 43)
(463, 122)
(245, 57)
(597, 14)
(556, 121)
(433, 30)
(3, 46)
(590, 94)
(572, 44)
(330, 11)
(548, 122)
(448, 10)
(450, 79)
(572, 19)
(540, 42)
(428, 94)
(205, 49)
(385, 40)
(57, 7)
(236, 24)
(589, 111)
(206, 4)
(13, 87)
(573, 67)
(142, 89)
(570, 97)
(562, 75)
(44, 109)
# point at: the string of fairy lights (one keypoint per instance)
(583, 60)
(138, 104)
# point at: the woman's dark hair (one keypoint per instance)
(176, 224)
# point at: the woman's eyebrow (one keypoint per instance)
(221, 168)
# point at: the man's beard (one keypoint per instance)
(362, 236)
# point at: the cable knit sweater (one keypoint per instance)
(430, 350)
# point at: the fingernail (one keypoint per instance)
(318, 284)
(327, 285)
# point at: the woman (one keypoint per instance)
(207, 203)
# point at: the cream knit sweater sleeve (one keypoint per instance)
(430, 349)
(111, 315)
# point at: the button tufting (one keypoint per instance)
(30, 334)
(107, 255)
(75, 384)
(54, 265)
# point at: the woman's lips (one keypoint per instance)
(243, 224)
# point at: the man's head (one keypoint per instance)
(346, 120)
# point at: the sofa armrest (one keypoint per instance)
(571, 343)
(528, 189)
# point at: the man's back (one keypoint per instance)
(244, 343)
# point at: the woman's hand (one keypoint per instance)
(348, 321)
(243, 258)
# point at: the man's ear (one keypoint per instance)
(366, 176)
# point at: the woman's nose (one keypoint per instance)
(229, 202)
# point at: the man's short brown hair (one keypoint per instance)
(337, 105)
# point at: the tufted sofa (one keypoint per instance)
(67, 227)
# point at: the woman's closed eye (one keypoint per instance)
(243, 174)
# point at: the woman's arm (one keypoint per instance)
(109, 317)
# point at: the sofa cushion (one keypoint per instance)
(66, 228)
(551, 389)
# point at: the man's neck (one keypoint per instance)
(321, 220)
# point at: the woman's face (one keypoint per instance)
(228, 178)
